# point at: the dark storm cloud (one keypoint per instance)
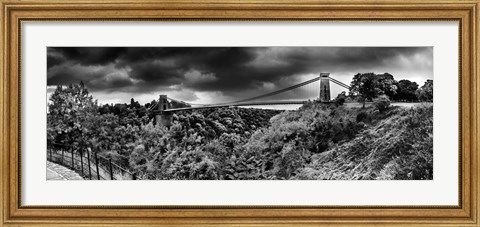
(96, 78)
(155, 72)
(53, 61)
(231, 71)
(54, 57)
(170, 64)
(91, 55)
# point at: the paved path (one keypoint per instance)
(58, 172)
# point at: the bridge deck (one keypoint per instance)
(292, 102)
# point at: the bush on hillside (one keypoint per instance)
(382, 103)
(340, 99)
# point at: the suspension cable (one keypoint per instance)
(278, 91)
(339, 83)
(271, 93)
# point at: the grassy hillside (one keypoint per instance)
(397, 145)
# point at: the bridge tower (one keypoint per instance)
(163, 118)
(325, 87)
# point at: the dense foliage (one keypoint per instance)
(425, 93)
(406, 91)
(399, 146)
(368, 86)
(72, 113)
(318, 141)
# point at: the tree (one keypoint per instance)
(70, 115)
(406, 91)
(425, 93)
(387, 84)
(134, 104)
(105, 109)
(368, 86)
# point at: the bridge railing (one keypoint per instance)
(89, 165)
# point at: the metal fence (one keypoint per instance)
(89, 165)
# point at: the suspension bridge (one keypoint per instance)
(165, 112)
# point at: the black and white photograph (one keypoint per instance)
(240, 113)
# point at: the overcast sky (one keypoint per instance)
(219, 74)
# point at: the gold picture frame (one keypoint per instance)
(15, 12)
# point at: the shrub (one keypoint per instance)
(382, 103)
(340, 99)
(363, 116)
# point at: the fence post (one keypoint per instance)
(73, 165)
(96, 164)
(111, 168)
(81, 160)
(62, 157)
(89, 166)
(134, 176)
